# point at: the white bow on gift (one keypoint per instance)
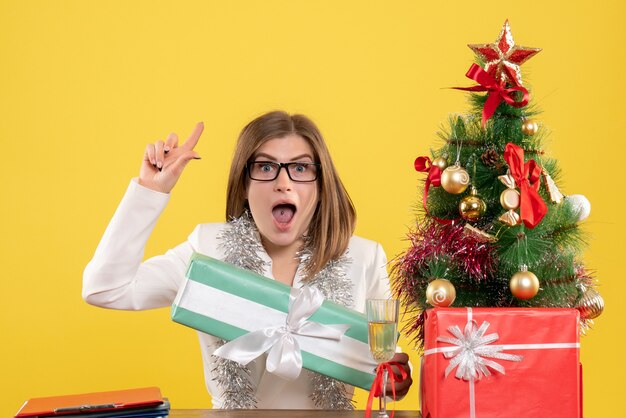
(281, 341)
(473, 352)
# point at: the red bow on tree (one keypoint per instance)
(376, 389)
(532, 206)
(423, 164)
(497, 91)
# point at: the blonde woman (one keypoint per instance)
(289, 218)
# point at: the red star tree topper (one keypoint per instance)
(503, 58)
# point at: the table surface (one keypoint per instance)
(280, 413)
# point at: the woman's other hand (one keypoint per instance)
(164, 162)
(401, 387)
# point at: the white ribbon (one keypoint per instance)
(473, 351)
(281, 341)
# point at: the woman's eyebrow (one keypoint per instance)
(272, 158)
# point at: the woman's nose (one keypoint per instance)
(282, 182)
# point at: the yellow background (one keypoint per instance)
(84, 85)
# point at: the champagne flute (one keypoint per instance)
(382, 321)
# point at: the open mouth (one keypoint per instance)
(284, 212)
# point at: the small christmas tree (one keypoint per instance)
(496, 231)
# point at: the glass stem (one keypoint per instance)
(382, 401)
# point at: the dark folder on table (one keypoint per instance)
(128, 403)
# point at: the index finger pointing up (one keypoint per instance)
(191, 142)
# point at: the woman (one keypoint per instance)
(290, 218)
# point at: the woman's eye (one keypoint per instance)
(300, 168)
(266, 168)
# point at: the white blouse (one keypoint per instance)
(117, 278)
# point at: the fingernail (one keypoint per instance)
(159, 164)
(166, 149)
(197, 158)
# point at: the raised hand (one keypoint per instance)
(164, 162)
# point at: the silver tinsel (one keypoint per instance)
(329, 393)
(333, 281)
(234, 380)
(334, 284)
(241, 244)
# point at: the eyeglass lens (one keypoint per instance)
(267, 170)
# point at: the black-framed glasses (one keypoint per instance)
(269, 170)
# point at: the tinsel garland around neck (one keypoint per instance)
(241, 245)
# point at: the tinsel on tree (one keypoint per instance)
(495, 230)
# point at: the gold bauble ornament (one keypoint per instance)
(524, 284)
(440, 162)
(529, 127)
(440, 292)
(590, 305)
(455, 179)
(472, 207)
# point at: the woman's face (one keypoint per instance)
(282, 208)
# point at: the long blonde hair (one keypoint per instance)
(334, 219)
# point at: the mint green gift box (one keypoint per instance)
(226, 301)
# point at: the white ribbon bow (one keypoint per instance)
(281, 341)
(473, 352)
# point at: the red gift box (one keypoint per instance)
(501, 362)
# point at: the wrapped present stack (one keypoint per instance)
(493, 281)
